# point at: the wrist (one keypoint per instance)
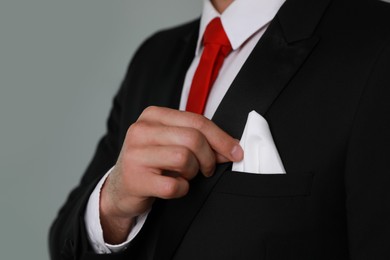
(116, 226)
(116, 230)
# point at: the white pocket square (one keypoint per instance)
(260, 153)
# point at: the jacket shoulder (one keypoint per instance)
(170, 36)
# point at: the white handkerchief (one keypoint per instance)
(260, 153)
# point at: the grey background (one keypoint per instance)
(60, 64)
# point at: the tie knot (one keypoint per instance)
(215, 34)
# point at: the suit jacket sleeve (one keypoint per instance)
(67, 235)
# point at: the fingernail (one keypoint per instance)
(237, 153)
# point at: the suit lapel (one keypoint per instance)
(277, 57)
(275, 62)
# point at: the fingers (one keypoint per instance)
(220, 141)
(169, 158)
(165, 187)
(146, 179)
(149, 134)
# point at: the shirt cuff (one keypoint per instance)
(94, 228)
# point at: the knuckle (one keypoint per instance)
(200, 122)
(181, 157)
(137, 129)
(130, 130)
(170, 188)
(150, 110)
(193, 139)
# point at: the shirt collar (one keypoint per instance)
(240, 20)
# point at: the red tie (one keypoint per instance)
(216, 48)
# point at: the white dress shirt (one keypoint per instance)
(244, 21)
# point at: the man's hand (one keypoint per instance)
(162, 152)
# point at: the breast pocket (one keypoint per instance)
(265, 185)
(245, 210)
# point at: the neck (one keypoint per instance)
(221, 5)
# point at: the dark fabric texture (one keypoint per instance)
(321, 77)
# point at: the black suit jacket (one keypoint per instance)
(320, 75)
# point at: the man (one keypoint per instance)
(317, 71)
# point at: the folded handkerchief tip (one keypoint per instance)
(260, 153)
